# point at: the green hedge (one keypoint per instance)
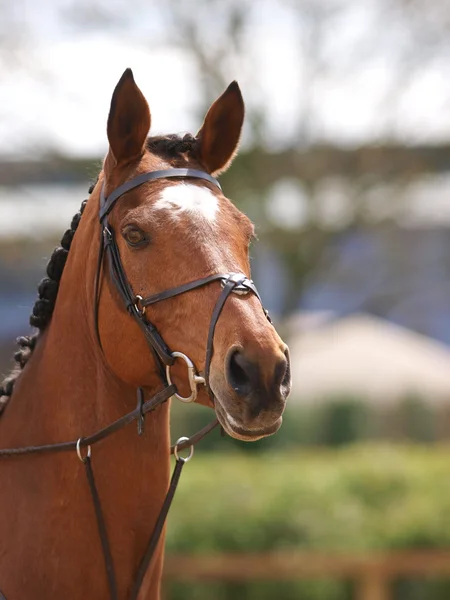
(356, 499)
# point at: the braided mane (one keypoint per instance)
(43, 307)
(173, 145)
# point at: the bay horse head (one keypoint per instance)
(173, 231)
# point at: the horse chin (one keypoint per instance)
(241, 432)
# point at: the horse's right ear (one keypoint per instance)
(128, 121)
(219, 135)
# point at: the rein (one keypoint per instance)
(136, 306)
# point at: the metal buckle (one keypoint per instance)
(239, 289)
(138, 305)
(194, 378)
(107, 235)
(79, 454)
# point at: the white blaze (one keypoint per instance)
(186, 197)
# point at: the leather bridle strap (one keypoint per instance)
(102, 434)
(229, 286)
(136, 305)
(161, 352)
(181, 289)
(101, 526)
(120, 282)
(106, 204)
(98, 436)
(157, 530)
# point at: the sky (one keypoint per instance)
(56, 95)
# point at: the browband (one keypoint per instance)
(106, 204)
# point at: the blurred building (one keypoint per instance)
(365, 357)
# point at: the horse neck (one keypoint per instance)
(66, 391)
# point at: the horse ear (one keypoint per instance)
(128, 120)
(219, 135)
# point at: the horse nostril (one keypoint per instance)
(281, 372)
(240, 373)
(284, 373)
(247, 378)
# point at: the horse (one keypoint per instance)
(158, 260)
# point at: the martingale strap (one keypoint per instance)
(85, 444)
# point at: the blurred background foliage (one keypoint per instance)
(344, 168)
(344, 501)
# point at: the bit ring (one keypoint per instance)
(194, 378)
(88, 451)
(191, 450)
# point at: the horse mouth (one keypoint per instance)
(239, 431)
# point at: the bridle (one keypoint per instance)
(137, 307)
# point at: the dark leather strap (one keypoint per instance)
(106, 204)
(231, 283)
(181, 289)
(135, 414)
(98, 285)
(243, 285)
(109, 565)
(197, 437)
(116, 270)
(160, 349)
(156, 533)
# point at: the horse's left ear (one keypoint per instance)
(219, 135)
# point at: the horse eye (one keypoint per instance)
(134, 237)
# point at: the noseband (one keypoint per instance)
(137, 305)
